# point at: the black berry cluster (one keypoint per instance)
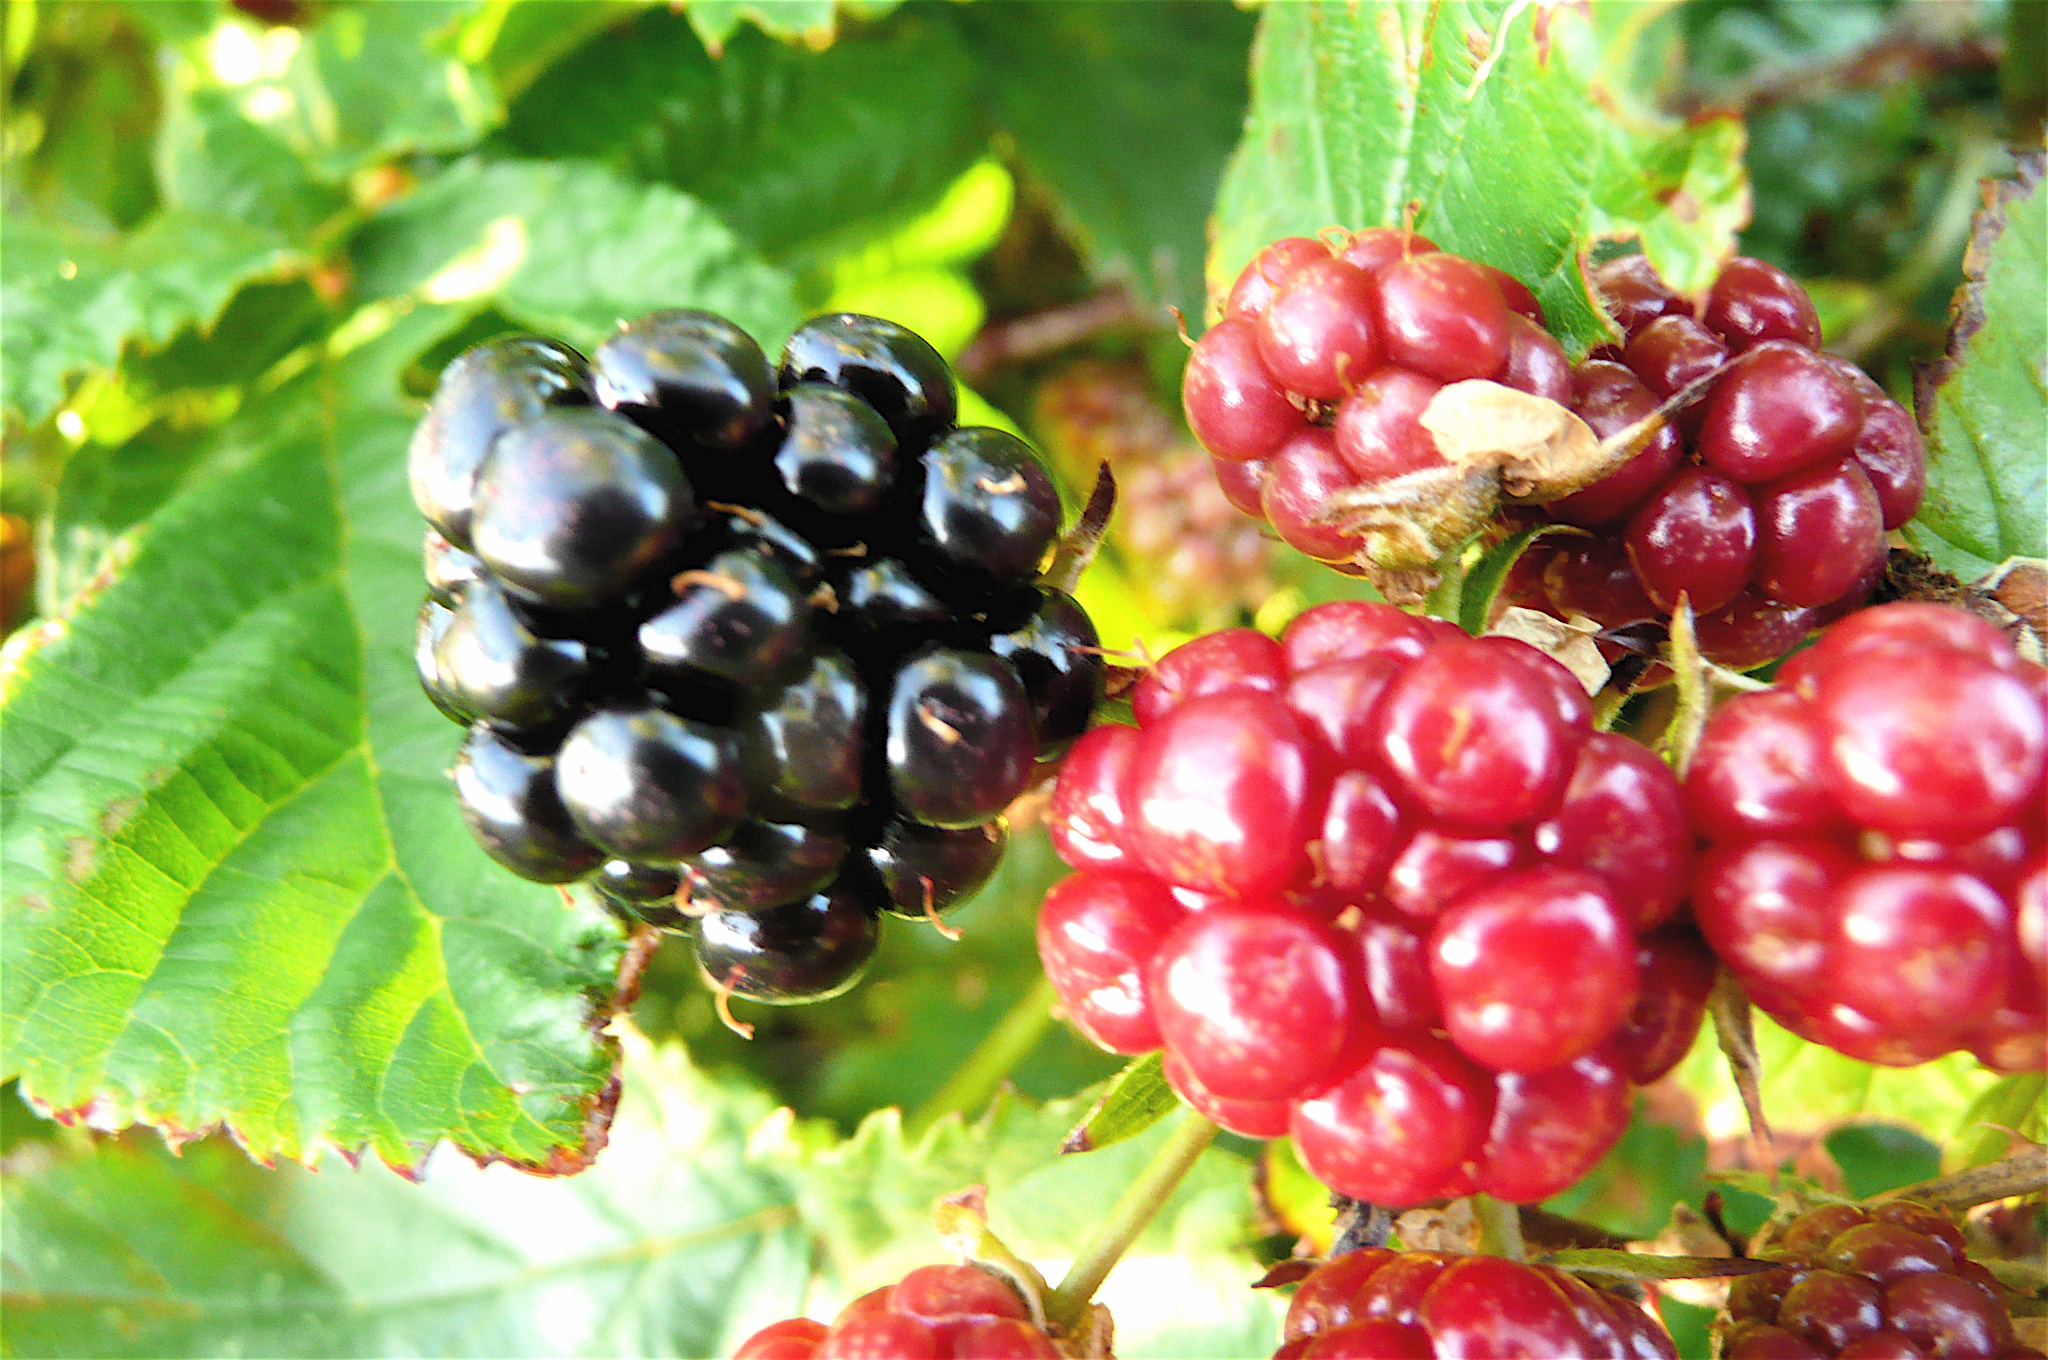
(761, 646)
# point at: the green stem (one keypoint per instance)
(1127, 1218)
(975, 1081)
(1447, 601)
(1500, 1227)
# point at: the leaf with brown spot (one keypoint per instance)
(1984, 407)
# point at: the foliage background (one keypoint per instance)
(239, 242)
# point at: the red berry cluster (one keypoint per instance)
(1379, 884)
(1764, 503)
(933, 1313)
(1316, 378)
(1890, 1283)
(1876, 879)
(1377, 1304)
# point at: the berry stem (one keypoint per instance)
(1447, 600)
(975, 1081)
(1120, 1227)
(2023, 1173)
(1500, 1227)
(1729, 1009)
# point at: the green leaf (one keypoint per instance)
(237, 888)
(81, 116)
(1135, 1099)
(675, 1243)
(811, 22)
(149, 428)
(1985, 407)
(370, 82)
(1512, 130)
(568, 248)
(706, 1218)
(1875, 1158)
(2015, 1103)
(214, 158)
(799, 152)
(1128, 112)
(73, 299)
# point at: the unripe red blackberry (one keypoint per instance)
(933, 1313)
(1876, 819)
(1372, 868)
(1421, 1305)
(1313, 384)
(1770, 493)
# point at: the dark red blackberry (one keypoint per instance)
(1380, 882)
(647, 785)
(928, 869)
(1766, 502)
(959, 738)
(1396, 1305)
(883, 598)
(449, 569)
(694, 379)
(838, 460)
(738, 618)
(804, 744)
(1874, 818)
(1057, 655)
(894, 372)
(642, 892)
(1892, 1280)
(765, 863)
(767, 644)
(988, 512)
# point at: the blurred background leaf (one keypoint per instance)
(1126, 113)
(706, 1219)
(800, 152)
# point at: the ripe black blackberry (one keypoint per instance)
(762, 652)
